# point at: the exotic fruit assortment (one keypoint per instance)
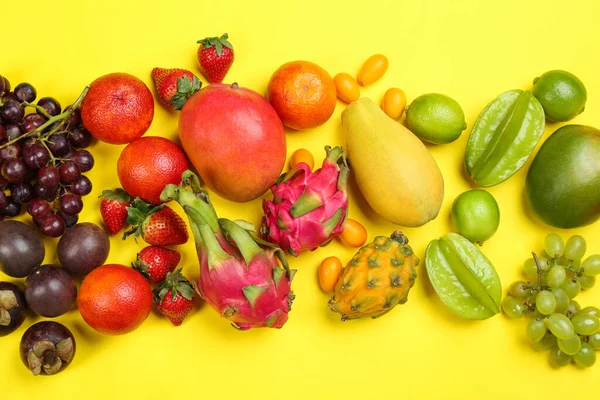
(308, 208)
(235, 138)
(240, 275)
(376, 279)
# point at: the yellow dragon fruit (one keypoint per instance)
(308, 208)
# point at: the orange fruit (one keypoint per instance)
(302, 155)
(394, 102)
(354, 233)
(148, 164)
(303, 94)
(346, 87)
(329, 273)
(114, 299)
(118, 108)
(372, 69)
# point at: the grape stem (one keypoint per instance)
(39, 109)
(539, 271)
(60, 117)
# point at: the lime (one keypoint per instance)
(436, 118)
(561, 93)
(476, 215)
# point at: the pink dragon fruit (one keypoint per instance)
(240, 275)
(308, 208)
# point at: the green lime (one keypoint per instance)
(436, 118)
(476, 215)
(561, 93)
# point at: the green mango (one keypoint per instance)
(563, 182)
(463, 277)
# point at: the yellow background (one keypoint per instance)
(471, 51)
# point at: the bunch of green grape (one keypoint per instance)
(556, 322)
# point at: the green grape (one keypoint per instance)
(585, 324)
(589, 310)
(558, 358)
(545, 302)
(586, 282)
(572, 287)
(547, 342)
(554, 245)
(594, 341)
(513, 308)
(536, 329)
(575, 247)
(571, 345)
(572, 309)
(591, 265)
(560, 326)
(529, 268)
(556, 276)
(518, 289)
(533, 314)
(562, 299)
(544, 261)
(585, 357)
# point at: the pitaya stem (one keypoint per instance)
(335, 155)
(243, 240)
(198, 209)
(216, 254)
(332, 222)
(306, 203)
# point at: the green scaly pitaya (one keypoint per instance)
(240, 275)
(308, 208)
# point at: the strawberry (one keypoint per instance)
(158, 226)
(113, 209)
(215, 56)
(174, 297)
(155, 262)
(175, 85)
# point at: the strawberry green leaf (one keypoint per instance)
(219, 48)
(186, 88)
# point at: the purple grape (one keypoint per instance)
(74, 119)
(70, 220)
(10, 96)
(22, 192)
(10, 152)
(58, 145)
(25, 92)
(80, 138)
(2, 199)
(4, 85)
(31, 122)
(50, 104)
(69, 171)
(81, 186)
(71, 204)
(11, 209)
(83, 159)
(13, 131)
(12, 111)
(3, 181)
(46, 193)
(14, 170)
(2, 133)
(48, 176)
(53, 226)
(39, 209)
(36, 156)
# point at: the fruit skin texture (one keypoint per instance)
(329, 273)
(234, 139)
(166, 82)
(118, 109)
(241, 280)
(158, 226)
(346, 87)
(393, 103)
(354, 234)
(372, 69)
(436, 118)
(148, 164)
(13, 308)
(393, 169)
(561, 93)
(115, 299)
(215, 57)
(50, 291)
(476, 215)
(82, 248)
(21, 249)
(563, 183)
(308, 209)
(174, 297)
(303, 94)
(377, 278)
(113, 209)
(155, 262)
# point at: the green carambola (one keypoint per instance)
(503, 137)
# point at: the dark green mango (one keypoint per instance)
(563, 182)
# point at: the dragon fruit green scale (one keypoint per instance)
(308, 208)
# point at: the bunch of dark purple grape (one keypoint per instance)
(41, 161)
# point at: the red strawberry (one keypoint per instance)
(158, 226)
(155, 262)
(113, 209)
(175, 85)
(174, 297)
(215, 56)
